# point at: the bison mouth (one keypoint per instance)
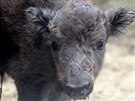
(78, 92)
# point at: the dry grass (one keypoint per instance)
(116, 81)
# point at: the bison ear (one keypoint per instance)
(119, 19)
(38, 16)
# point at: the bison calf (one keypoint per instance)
(56, 48)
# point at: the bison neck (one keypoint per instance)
(36, 77)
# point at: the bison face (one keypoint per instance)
(79, 36)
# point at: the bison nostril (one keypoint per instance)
(87, 89)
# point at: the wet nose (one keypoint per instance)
(79, 92)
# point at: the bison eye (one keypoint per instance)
(55, 46)
(100, 45)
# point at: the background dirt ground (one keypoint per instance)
(116, 81)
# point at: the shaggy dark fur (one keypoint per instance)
(54, 49)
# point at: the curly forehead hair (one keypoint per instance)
(78, 17)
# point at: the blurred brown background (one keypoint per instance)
(116, 81)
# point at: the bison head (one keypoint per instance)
(78, 33)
